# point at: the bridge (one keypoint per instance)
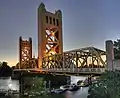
(52, 59)
(88, 60)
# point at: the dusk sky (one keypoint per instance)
(85, 23)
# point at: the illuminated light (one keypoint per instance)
(28, 71)
(52, 33)
(94, 78)
(82, 84)
(10, 85)
(81, 88)
(53, 52)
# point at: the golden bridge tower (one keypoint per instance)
(50, 39)
(25, 52)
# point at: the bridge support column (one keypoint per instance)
(49, 85)
(109, 54)
(89, 79)
(21, 82)
(63, 66)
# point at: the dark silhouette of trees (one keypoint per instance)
(108, 86)
(13, 67)
(5, 70)
(117, 49)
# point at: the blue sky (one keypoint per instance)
(85, 23)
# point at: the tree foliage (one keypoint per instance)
(38, 84)
(108, 86)
(117, 49)
(34, 86)
(5, 70)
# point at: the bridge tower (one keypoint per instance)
(50, 39)
(25, 52)
(109, 54)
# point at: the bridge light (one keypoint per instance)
(52, 52)
(53, 33)
(94, 78)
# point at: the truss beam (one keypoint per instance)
(76, 59)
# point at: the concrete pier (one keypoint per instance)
(109, 54)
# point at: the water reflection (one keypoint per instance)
(68, 94)
(8, 83)
(81, 93)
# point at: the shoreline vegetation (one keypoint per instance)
(5, 70)
(108, 86)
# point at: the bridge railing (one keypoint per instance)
(67, 70)
(77, 70)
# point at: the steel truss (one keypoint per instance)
(31, 64)
(52, 41)
(89, 57)
(25, 52)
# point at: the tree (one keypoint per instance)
(5, 70)
(117, 49)
(108, 86)
(34, 85)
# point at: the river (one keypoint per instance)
(8, 83)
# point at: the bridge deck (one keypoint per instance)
(81, 71)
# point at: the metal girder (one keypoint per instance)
(98, 54)
(53, 61)
(86, 49)
(78, 58)
(32, 63)
(52, 42)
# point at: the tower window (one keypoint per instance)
(50, 20)
(57, 22)
(54, 21)
(46, 19)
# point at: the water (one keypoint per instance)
(81, 93)
(7, 83)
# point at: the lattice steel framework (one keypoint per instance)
(25, 52)
(49, 33)
(89, 57)
(31, 64)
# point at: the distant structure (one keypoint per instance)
(25, 49)
(50, 39)
(109, 54)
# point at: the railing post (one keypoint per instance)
(76, 56)
(63, 66)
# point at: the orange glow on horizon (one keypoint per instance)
(11, 62)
